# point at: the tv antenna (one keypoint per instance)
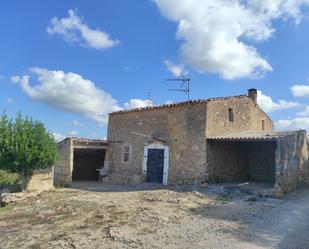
(184, 87)
(149, 95)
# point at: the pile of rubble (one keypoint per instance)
(6, 197)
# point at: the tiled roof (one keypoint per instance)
(86, 141)
(178, 104)
(252, 136)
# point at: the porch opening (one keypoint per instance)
(86, 162)
(235, 161)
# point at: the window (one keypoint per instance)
(231, 115)
(263, 125)
(126, 154)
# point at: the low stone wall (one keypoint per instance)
(63, 167)
(292, 165)
(41, 180)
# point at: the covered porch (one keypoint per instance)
(276, 158)
(80, 160)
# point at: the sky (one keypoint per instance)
(69, 64)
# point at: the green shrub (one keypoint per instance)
(25, 145)
(8, 178)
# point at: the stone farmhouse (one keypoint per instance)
(214, 140)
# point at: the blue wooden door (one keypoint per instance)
(155, 165)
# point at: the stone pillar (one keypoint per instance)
(64, 166)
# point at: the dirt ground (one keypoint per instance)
(149, 216)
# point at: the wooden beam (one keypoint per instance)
(97, 147)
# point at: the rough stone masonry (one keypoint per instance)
(213, 140)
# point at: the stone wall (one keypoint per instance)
(247, 116)
(261, 161)
(185, 128)
(41, 180)
(257, 115)
(226, 161)
(292, 166)
(182, 126)
(230, 161)
(64, 166)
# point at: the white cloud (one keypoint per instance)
(300, 90)
(15, 79)
(268, 105)
(68, 92)
(216, 34)
(272, 9)
(176, 70)
(137, 103)
(169, 102)
(9, 100)
(292, 124)
(73, 29)
(58, 137)
(77, 123)
(305, 112)
(72, 133)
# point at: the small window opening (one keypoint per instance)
(263, 125)
(231, 115)
(126, 154)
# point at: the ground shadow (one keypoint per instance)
(263, 221)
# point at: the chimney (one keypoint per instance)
(252, 93)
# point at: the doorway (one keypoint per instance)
(85, 164)
(155, 164)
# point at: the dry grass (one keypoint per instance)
(66, 218)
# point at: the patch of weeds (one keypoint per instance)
(6, 208)
(8, 178)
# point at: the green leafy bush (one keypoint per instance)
(25, 145)
(8, 178)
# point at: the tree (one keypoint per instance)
(25, 145)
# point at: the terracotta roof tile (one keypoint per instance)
(253, 136)
(79, 140)
(177, 104)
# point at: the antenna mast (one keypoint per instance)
(149, 95)
(184, 87)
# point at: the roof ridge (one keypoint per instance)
(82, 139)
(176, 104)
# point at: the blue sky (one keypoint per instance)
(108, 55)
